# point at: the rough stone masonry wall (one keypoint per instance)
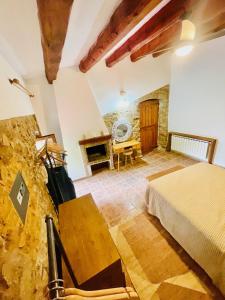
(134, 119)
(23, 248)
(133, 115)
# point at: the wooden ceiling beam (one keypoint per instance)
(212, 25)
(162, 50)
(208, 30)
(126, 16)
(171, 13)
(53, 18)
(170, 35)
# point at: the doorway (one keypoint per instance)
(149, 115)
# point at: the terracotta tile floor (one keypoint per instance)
(118, 193)
(120, 196)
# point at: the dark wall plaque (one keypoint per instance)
(20, 196)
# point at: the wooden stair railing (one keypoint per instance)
(55, 285)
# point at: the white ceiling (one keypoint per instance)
(20, 41)
(87, 20)
(20, 36)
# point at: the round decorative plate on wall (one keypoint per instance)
(121, 130)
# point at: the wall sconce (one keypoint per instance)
(17, 84)
(187, 37)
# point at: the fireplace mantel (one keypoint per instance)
(96, 139)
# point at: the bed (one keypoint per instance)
(190, 204)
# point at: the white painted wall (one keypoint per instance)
(38, 108)
(137, 79)
(44, 105)
(78, 116)
(197, 94)
(13, 102)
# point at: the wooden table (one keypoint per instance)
(91, 251)
(121, 147)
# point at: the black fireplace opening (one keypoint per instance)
(97, 152)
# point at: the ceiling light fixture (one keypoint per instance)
(187, 36)
(185, 50)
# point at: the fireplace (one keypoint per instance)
(96, 151)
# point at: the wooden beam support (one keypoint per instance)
(126, 16)
(162, 50)
(170, 35)
(171, 13)
(53, 18)
(208, 30)
(213, 25)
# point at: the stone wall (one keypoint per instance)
(23, 248)
(133, 115)
(134, 120)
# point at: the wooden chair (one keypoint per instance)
(128, 153)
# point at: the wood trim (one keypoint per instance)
(208, 16)
(53, 18)
(46, 137)
(169, 142)
(169, 15)
(156, 101)
(170, 35)
(197, 137)
(96, 139)
(212, 151)
(214, 24)
(164, 172)
(170, 46)
(208, 30)
(211, 142)
(126, 16)
(38, 127)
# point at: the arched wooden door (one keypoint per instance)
(149, 111)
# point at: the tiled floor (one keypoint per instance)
(158, 267)
(118, 193)
(120, 196)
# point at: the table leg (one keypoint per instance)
(118, 166)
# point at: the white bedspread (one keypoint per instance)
(190, 204)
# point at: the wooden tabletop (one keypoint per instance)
(119, 146)
(86, 238)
